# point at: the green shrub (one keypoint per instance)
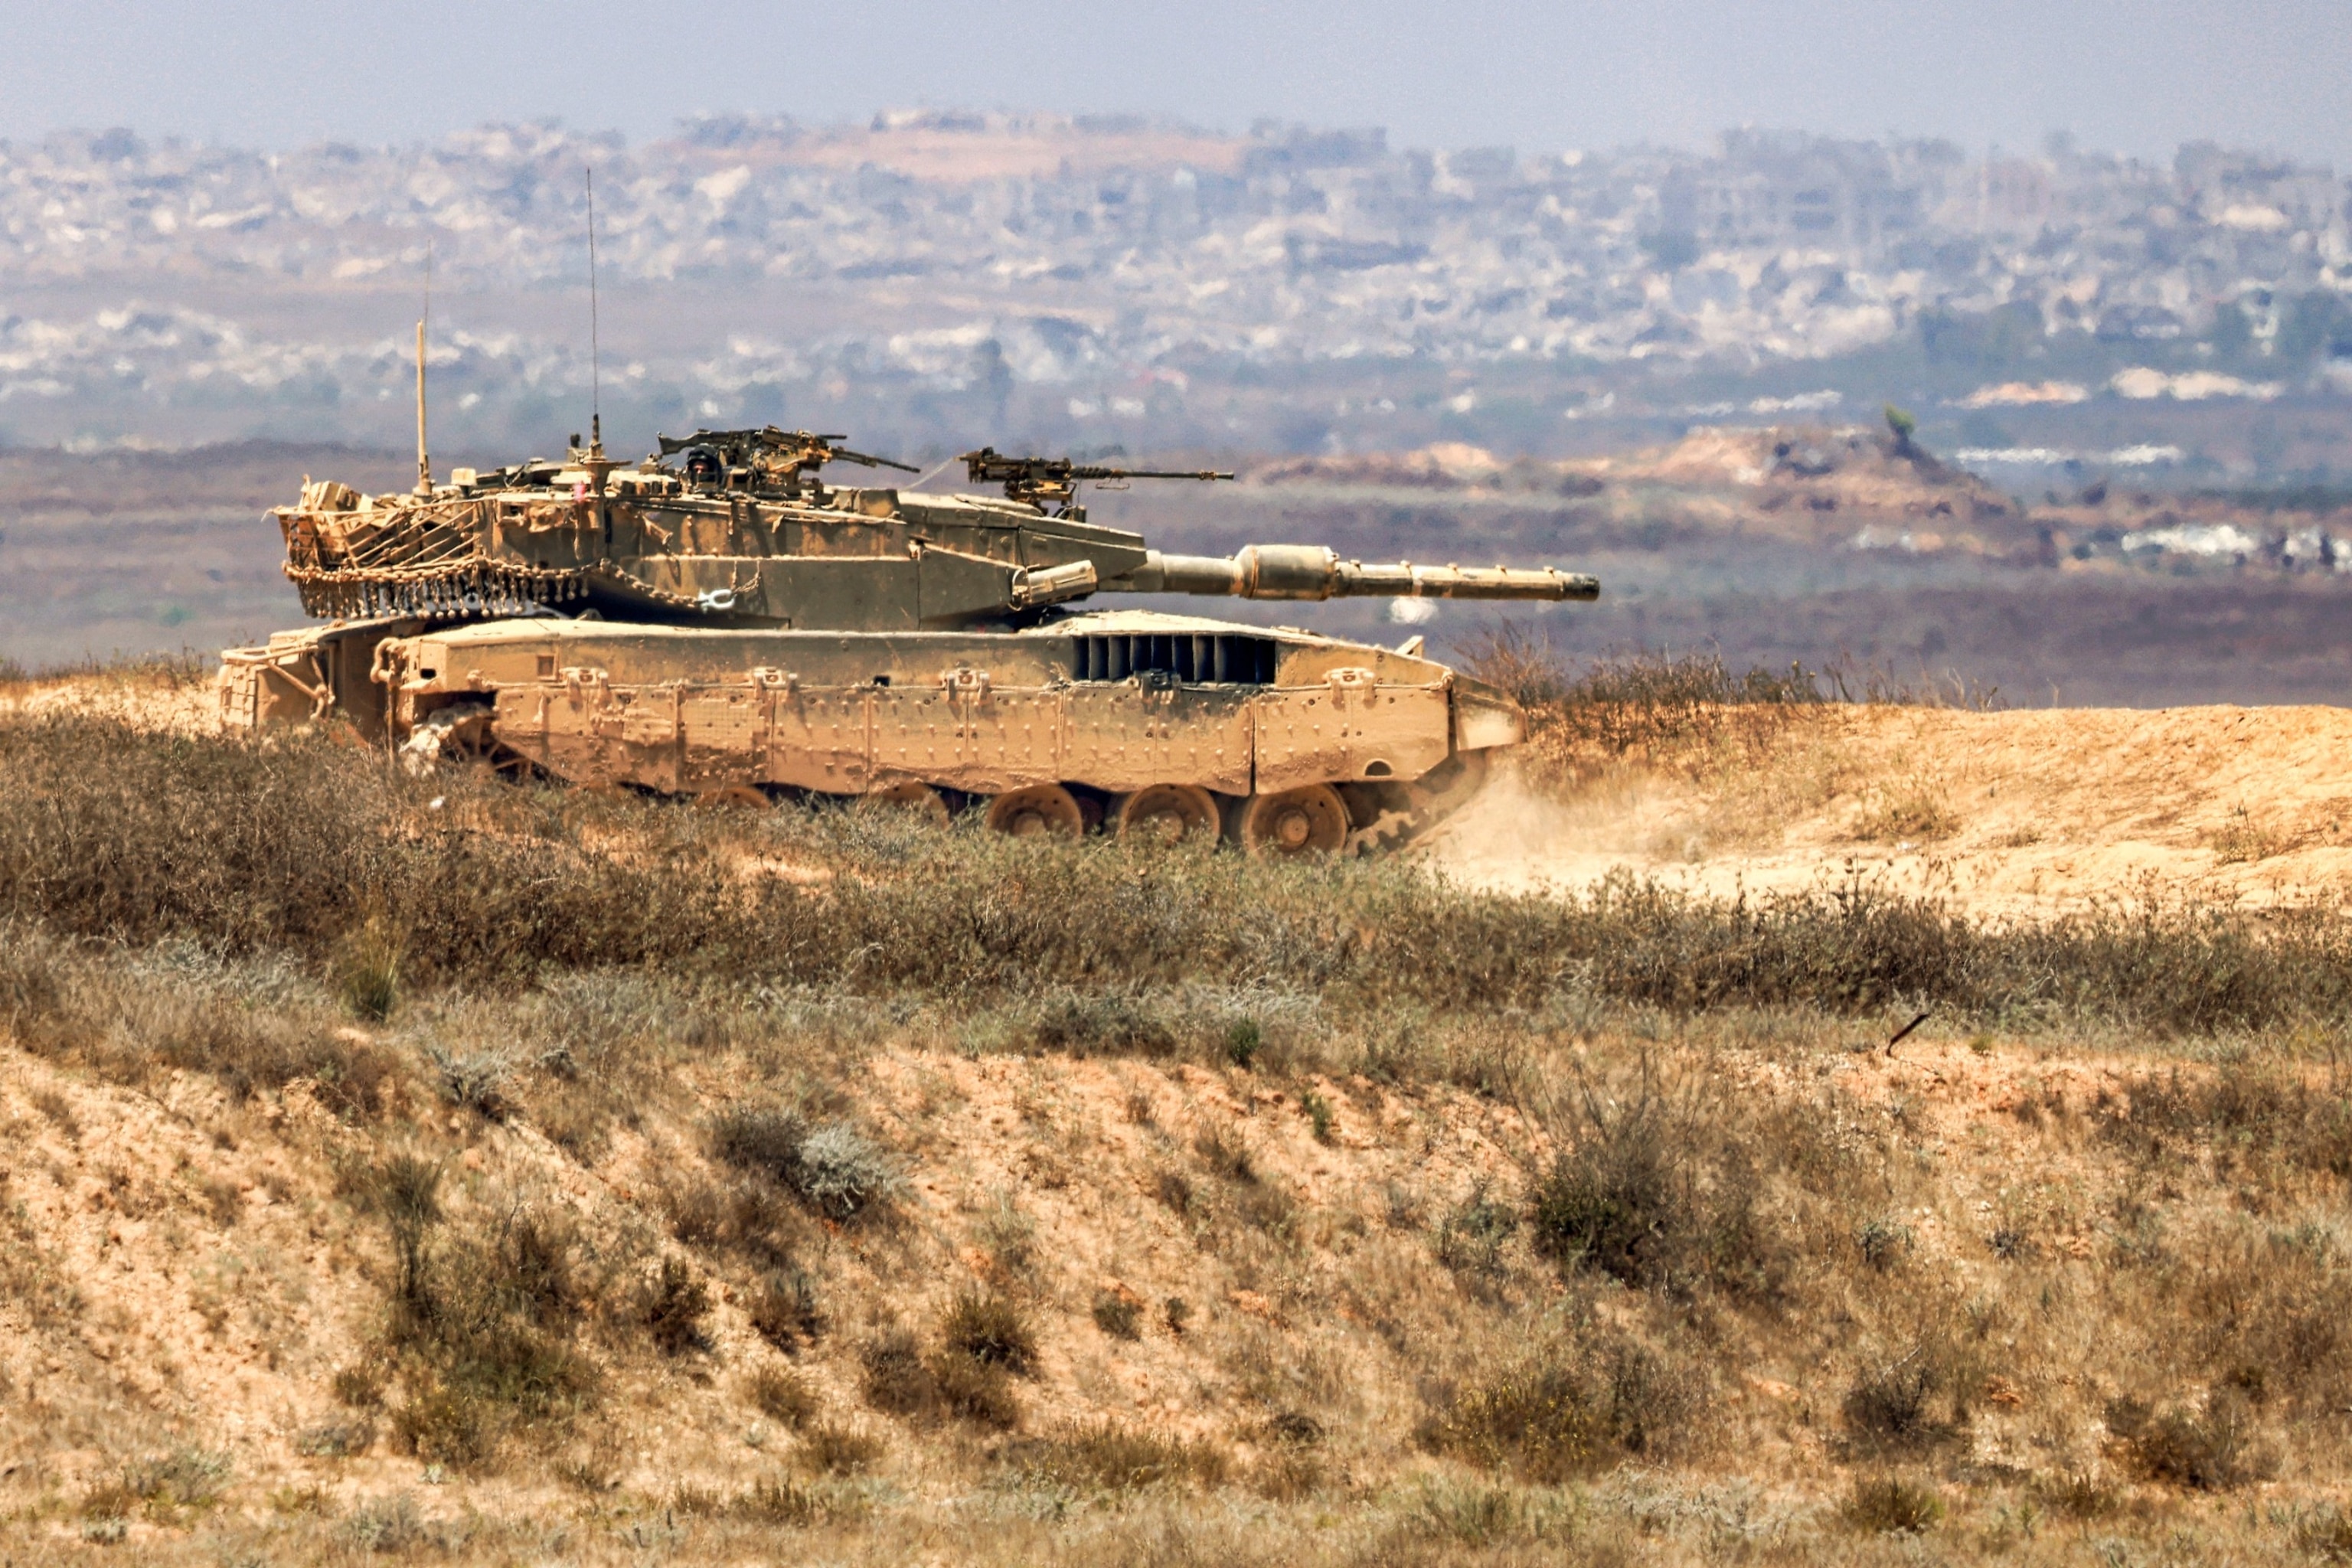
(1471, 1236)
(1618, 1199)
(1320, 1120)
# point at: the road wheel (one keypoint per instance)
(1037, 809)
(460, 734)
(727, 797)
(1309, 820)
(914, 797)
(1164, 814)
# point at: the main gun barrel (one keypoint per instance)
(1312, 572)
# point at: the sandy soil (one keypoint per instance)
(170, 701)
(2004, 813)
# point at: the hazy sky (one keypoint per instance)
(2139, 76)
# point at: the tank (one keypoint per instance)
(719, 621)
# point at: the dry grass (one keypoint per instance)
(304, 847)
(1916, 811)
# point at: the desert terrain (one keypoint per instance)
(447, 1170)
(2035, 812)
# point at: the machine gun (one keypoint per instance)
(773, 458)
(1042, 482)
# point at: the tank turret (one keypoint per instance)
(737, 528)
(718, 620)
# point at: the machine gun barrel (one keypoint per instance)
(1312, 572)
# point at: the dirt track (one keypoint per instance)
(2019, 811)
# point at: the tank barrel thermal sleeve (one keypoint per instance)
(1311, 572)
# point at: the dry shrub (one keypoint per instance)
(828, 1164)
(367, 967)
(899, 1379)
(990, 1328)
(482, 1320)
(478, 1081)
(1106, 1455)
(334, 1438)
(2267, 1312)
(1918, 812)
(979, 1391)
(785, 1310)
(1649, 706)
(1118, 1315)
(2249, 1112)
(1489, 1521)
(1572, 1408)
(1104, 1023)
(1225, 1153)
(2076, 1494)
(672, 1306)
(2242, 841)
(833, 1450)
(1893, 1406)
(294, 845)
(1886, 1505)
(161, 1486)
(250, 1052)
(2325, 1533)
(32, 986)
(1658, 1190)
(894, 1376)
(782, 1396)
(770, 1501)
(2212, 1447)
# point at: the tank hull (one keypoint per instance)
(1103, 706)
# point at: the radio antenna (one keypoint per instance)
(424, 461)
(596, 356)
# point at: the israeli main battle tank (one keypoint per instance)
(719, 621)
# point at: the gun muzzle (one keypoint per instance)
(1312, 572)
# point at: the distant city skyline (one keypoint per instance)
(2139, 78)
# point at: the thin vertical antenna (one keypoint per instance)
(424, 462)
(595, 358)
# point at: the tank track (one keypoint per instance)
(1401, 815)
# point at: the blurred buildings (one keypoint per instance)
(934, 275)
